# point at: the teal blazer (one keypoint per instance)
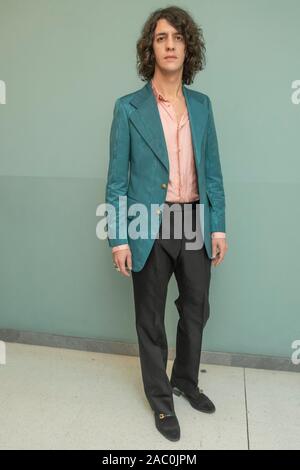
(139, 167)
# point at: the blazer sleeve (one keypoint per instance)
(117, 176)
(214, 178)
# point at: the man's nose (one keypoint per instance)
(170, 44)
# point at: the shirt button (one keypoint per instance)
(158, 211)
(163, 185)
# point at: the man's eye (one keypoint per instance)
(177, 37)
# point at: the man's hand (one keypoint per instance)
(122, 259)
(219, 248)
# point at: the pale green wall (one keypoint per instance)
(64, 63)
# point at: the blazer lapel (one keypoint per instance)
(198, 115)
(146, 119)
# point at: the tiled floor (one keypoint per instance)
(67, 399)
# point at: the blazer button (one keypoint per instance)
(163, 185)
(158, 211)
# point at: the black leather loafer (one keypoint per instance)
(168, 425)
(198, 400)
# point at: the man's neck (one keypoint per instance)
(170, 87)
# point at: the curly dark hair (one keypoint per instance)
(183, 22)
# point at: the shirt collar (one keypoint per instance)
(157, 93)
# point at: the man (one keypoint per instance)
(164, 152)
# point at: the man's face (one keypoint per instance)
(168, 42)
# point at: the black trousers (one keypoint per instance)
(192, 270)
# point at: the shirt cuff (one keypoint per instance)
(218, 235)
(120, 247)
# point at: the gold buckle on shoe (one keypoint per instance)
(163, 415)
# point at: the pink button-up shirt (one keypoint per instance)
(183, 183)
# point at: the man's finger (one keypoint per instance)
(123, 269)
(221, 254)
(129, 261)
